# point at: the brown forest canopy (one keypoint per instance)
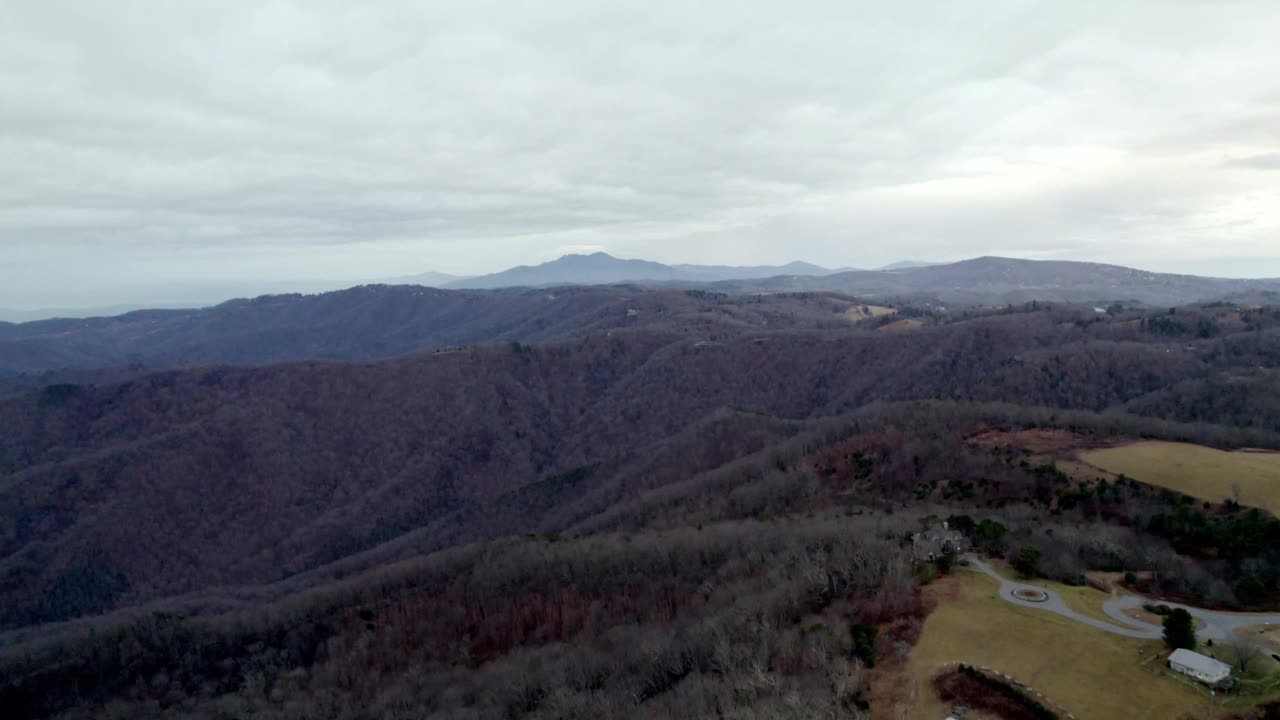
(667, 497)
(267, 472)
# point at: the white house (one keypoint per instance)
(1201, 667)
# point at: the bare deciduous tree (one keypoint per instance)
(1242, 653)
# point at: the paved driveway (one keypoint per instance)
(1055, 604)
(1217, 624)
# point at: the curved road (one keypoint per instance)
(1217, 625)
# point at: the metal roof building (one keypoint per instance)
(1201, 667)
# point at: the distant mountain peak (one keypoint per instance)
(601, 268)
(429, 279)
(908, 265)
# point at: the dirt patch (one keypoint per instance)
(1038, 440)
(1267, 636)
(1031, 595)
(957, 688)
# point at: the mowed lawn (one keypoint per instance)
(1093, 674)
(1196, 470)
(1083, 599)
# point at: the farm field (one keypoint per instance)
(1093, 674)
(1196, 470)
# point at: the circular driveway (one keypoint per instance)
(1217, 625)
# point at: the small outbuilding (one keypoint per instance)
(1207, 670)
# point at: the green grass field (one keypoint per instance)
(1196, 470)
(1091, 673)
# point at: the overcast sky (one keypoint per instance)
(147, 147)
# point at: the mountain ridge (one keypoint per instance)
(982, 280)
(378, 321)
(993, 280)
(602, 268)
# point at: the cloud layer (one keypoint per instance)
(146, 143)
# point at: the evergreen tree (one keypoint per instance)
(1027, 562)
(1179, 630)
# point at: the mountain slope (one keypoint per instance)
(194, 479)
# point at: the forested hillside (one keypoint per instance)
(266, 472)
(771, 585)
(267, 511)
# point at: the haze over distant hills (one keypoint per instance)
(603, 269)
(985, 280)
(994, 280)
(908, 265)
(378, 321)
(426, 279)
(19, 315)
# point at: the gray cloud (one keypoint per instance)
(1269, 161)
(146, 144)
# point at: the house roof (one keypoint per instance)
(1199, 663)
(931, 543)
